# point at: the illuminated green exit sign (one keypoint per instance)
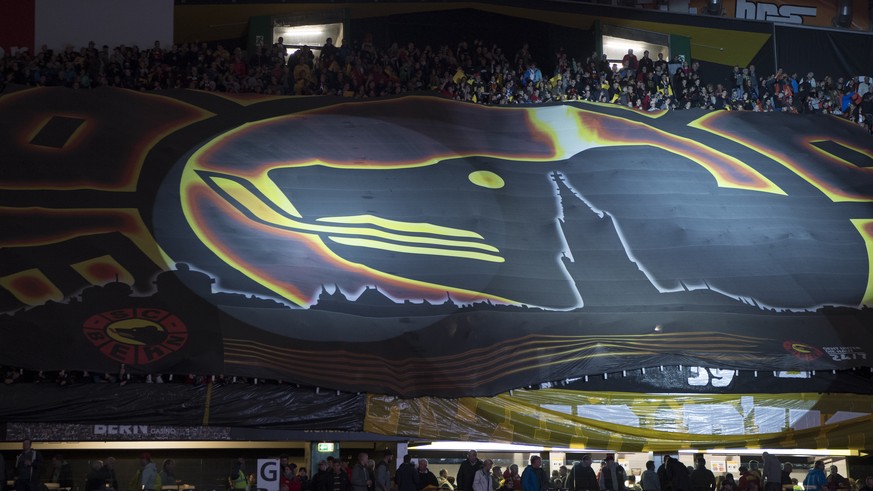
(325, 447)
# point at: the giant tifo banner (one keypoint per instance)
(419, 246)
(820, 13)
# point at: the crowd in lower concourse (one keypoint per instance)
(475, 71)
(671, 475)
(360, 472)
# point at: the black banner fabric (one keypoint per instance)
(234, 405)
(419, 246)
(824, 52)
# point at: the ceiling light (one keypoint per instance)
(495, 447)
(817, 452)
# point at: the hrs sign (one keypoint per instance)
(790, 14)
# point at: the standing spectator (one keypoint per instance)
(736, 81)
(467, 472)
(94, 481)
(482, 480)
(613, 476)
(424, 477)
(631, 59)
(534, 478)
(512, 474)
(560, 481)
(339, 478)
(649, 478)
(702, 479)
(405, 476)
(661, 65)
(320, 478)
(149, 480)
(772, 473)
(532, 76)
(237, 478)
(861, 87)
(836, 481)
(107, 474)
(371, 473)
(748, 479)
(786, 481)
(168, 472)
(680, 479)
(496, 477)
(361, 479)
(28, 468)
(62, 472)
(727, 483)
(523, 56)
(867, 110)
(754, 83)
(289, 480)
(582, 477)
(815, 479)
(328, 52)
(280, 49)
(303, 477)
(868, 484)
(646, 62)
(383, 472)
(443, 480)
(663, 476)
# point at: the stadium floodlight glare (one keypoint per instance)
(844, 14)
(714, 7)
(305, 31)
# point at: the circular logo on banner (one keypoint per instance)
(802, 350)
(136, 336)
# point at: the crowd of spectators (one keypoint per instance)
(476, 72)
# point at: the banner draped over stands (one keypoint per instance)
(183, 405)
(419, 246)
(628, 422)
(825, 51)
